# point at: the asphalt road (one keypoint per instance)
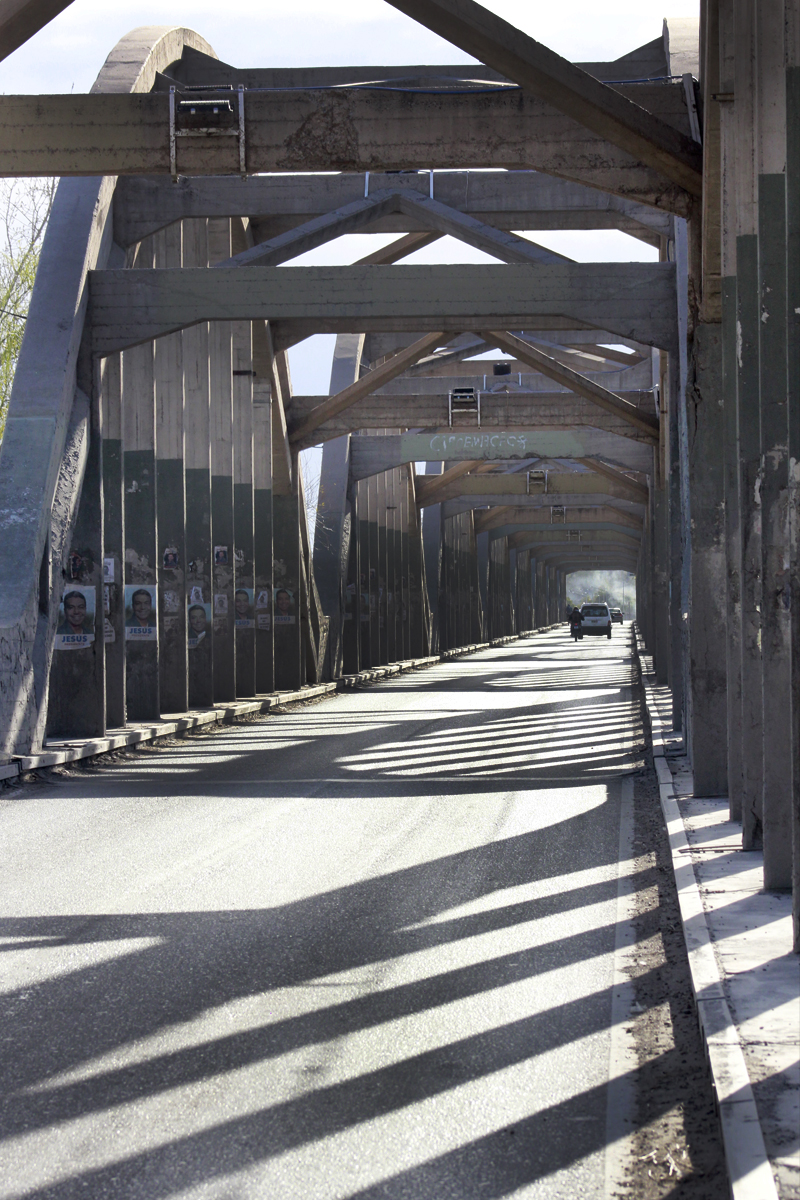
(363, 949)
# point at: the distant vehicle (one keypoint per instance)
(596, 619)
(616, 616)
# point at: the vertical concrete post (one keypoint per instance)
(373, 581)
(748, 424)
(76, 705)
(262, 535)
(171, 497)
(733, 540)
(431, 545)
(224, 579)
(113, 542)
(382, 523)
(243, 519)
(197, 451)
(707, 622)
(141, 554)
(351, 618)
(793, 353)
(776, 591)
(661, 578)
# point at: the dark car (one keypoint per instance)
(616, 616)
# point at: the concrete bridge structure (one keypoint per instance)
(156, 554)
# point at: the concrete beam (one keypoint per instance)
(555, 486)
(637, 299)
(370, 455)
(276, 204)
(486, 507)
(341, 130)
(542, 72)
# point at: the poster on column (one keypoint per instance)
(284, 607)
(199, 620)
(243, 608)
(264, 609)
(76, 613)
(140, 613)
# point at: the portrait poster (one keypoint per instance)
(108, 570)
(141, 621)
(220, 556)
(243, 608)
(198, 621)
(76, 617)
(171, 557)
(284, 607)
(221, 604)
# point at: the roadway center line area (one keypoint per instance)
(364, 949)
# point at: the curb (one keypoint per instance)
(750, 1174)
(58, 753)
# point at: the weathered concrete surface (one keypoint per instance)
(707, 647)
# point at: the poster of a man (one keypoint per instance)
(284, 607)
(243, 607)
(199, 617)
(75, 628)
(140, 613)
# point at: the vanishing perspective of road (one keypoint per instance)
(365, 948)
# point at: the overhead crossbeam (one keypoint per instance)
(635, 300)
(556, 484)
(599, 395)
(573, 91)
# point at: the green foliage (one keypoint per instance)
(615, 588)
(24, 210)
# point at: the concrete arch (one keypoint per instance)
(46, 443)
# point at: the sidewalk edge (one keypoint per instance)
(750, 1174)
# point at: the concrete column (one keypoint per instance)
(171, 497)
(776, 590)
(351, 618)
(76, 705)
(334, 520)
(414, 585)
(793, 350)
(431, 545)
(262, 537)
(224, 578)
(708, 607)
(382, 581)
(540, 595)
(748, 426)
(373, 581)
(243, 519)
(141, 545)
(661, 578)
(286, 579)
(197, 452)
(733, 541)
(365, 563)
(482, 553)
(113, 542)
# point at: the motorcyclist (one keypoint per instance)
(575, 620)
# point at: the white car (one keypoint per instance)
(596, 618)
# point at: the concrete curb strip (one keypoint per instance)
(749, 1170)
(58, 753)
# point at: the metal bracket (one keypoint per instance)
(215, 110)
(463, 400)
(537, 477)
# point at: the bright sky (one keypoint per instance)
(69, 52)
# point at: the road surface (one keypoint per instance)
(362, 949)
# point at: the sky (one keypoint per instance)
(68, 53)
